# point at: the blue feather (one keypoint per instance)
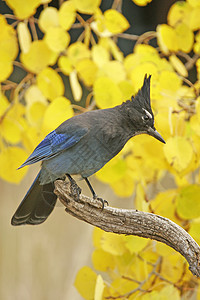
(52, 145)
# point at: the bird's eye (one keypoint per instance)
(146, 117)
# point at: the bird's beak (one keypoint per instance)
(155, 134)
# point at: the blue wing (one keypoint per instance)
(53, 144)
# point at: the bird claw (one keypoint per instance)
(75, 190)
(103, 202)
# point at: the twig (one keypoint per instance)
(131, 222)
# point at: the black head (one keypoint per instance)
(140, 112)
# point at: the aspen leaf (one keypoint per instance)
(124, 187)
(114, 70)
(48, 18)
(141, 2)
(8, 40)
(100, 55)
(167, 38)
(178, 65)
(35, 113)
(138, 73)
(178, 152)
(10, 130)
(86, 6)
(24, 37)
(4, 104)
(121, 286)
(195, 229)
(65, 65)
(23, 9)
(102, 261)
(126, 89)
(178, 11)
(10, 159)
(194, 21)
(113, 243)
(33, 94)
(75, 86)
(185, 37)
(85, 282)
(169, 81)
(50, 83)
(113, 171)
(135, 244)
(87, 70)
(188, 204)
(57, 39)
(57, 112)
(99, 288)
(6, 68)
(77, 51)
(67, 14)
(107, 93)
(115, 22)
(38, 57)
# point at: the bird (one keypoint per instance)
(82, 145)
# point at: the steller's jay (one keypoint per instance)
(82, 145)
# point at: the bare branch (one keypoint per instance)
(130, 222)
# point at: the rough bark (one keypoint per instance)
(130, 222)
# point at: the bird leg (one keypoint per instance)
(75, 189)
(95, 197)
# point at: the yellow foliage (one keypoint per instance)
(77, 51)
(102, 260)
(65, 65)
(4, 104)
(24, 10)
(99, 288)
(178, 152)
(113, 243)
(178, 65)
(188, 205)
(100, 55)
(107, 93)
(10, 160)
(48, 18)
(75, 86)
(57, 39)
(141, 2)
(57, 112)
(114, 70)
(86, 6)
(135, 244)
(67, 14)
(38, 57)
(85, 282)
(87, 70)
(167, 38)
(115, 22)
(50, 83)
(24, 37)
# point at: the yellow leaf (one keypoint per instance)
(4, 104)
(23, 9)
(35, 113)
(50, 83)
(85, 283)
(75, 86)
(185, 37)
(167, 39)
(194, 21)
(178, 12)
(114, 70)
(141, 2)
(140, 202)
(195, 229)
(87, 70)
(10, 159)
(126, 89)
(107, 93)
(38, 57)
(124, 187)
(135, 244)
(24, 37)
(67, 15)
(57, 112)
(77, 51)
(65, 64)
(8, 41)
(86, 6)
(57, 39)
(99, 288)
(138, 73)
(188, 204)
(169, 81)
(113, 243)
(113, 171)
(115, 51)
(115, 22)
(48, 18)
(6, 68)
(178, 65)
(178, 152)
(10, 130)
(33, 94)
(100, 55)
(194, 3)
(102, 261)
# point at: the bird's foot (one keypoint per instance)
(75, 190)
(103, 202)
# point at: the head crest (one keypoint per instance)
(142, 98)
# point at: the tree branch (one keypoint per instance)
(130, 222)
